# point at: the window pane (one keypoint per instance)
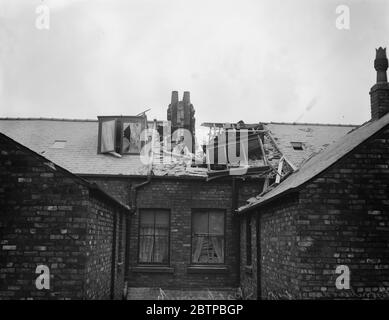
(161, 249)
(146, 246)
(162, 218)
(147, 219)
(216, 223)
(217, 253)
(200, 223)
(131, 136)
(108, 136)
(154, 236)
(208, 237)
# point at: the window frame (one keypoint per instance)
(119, 121)
(168, 241)
(201, 210)
(297, 145)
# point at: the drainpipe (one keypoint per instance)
(234, 205)
(134, 193)
(259, 256)
(135, 188)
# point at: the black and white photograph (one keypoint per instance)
(217, 151)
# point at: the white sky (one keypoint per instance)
(251, 60)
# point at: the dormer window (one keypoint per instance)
(297, 145)
(121, 135)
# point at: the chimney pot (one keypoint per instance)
(381, 64)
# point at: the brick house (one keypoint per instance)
(183, 238)
(333, 211)
(51, 217)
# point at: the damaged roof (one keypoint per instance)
(320, 162)
(72, 144)
(314, 138)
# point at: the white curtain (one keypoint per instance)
(218, 245)
(154, 236)
(108, 136)
(146, 246)
(208, 237)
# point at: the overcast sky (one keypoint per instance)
(251, 60)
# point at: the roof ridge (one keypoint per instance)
(315, 124)
(49, 119)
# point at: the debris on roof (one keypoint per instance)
(80, 153)
(319, 161)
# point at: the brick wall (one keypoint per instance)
(42, 222)
(278, 272)
(100, 249)
(47, 218)
(346, 222)
(180, 196)
(341, 217)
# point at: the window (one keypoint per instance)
(248, 241)
(297, 145)
(121, 134)
(208, 236)
(154, 236)
(58, 144)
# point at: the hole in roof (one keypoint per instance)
(58, 144)
(297, 145)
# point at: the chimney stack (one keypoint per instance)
(186, 98)
(181, 114)
(379, 93)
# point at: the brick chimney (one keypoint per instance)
(379, 93)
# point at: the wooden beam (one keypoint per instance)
(279, 171)
(262, 150)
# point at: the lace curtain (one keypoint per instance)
(154, 237)
(208, 237)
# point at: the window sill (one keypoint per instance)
(153, 269)
(248, 269)
(207, 269)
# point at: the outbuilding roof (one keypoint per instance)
(53, 166)
(320, 162)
